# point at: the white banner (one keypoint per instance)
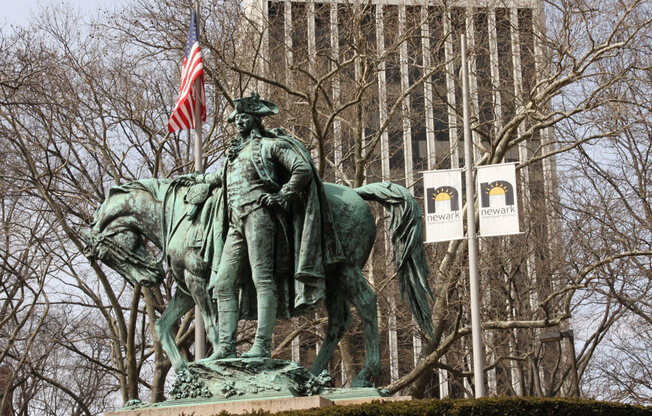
(443, 205)
(498, 203)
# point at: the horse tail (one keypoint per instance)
(409, 251)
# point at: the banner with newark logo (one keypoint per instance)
(497, 200)
(443, 205)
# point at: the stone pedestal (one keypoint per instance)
(208, 407)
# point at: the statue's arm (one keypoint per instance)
(213, 178)
(300, 174)
(299, 170)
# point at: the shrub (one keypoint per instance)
(494, 406)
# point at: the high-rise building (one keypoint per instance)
(373, 89)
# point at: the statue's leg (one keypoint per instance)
(234, 257)
(339, 320)
(180, 304)
(260, 231)
(198, 287)
(365, 302)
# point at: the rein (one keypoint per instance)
(122, 255)
(119, 253)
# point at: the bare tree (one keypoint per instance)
(82, 111)
(554, 94)
(611, 204)
(75, 121)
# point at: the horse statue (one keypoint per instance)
(163, 212)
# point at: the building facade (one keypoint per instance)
(374, 90)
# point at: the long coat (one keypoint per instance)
(306, 246)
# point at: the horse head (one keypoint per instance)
(116, 238)
(125, 251)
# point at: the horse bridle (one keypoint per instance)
(117, 252)
(120, 254)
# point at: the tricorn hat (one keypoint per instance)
(252, 105)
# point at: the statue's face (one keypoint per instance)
(244, 123)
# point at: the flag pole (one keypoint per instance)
(200, 333)
(476, 328)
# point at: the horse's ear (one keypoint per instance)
(118, 189)
(128, 187)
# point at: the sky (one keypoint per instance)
(20, 12)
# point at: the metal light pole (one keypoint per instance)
(200, 333)
(476, 324)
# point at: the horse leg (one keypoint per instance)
(365, 302)
(339, 320)
(198, 288)
(180, 304)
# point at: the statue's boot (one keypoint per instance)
(228, 325)
(266, 319)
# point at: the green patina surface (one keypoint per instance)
(246, 379)
(262, 238)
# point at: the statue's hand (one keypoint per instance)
(187, 180)
(213, 179)
(273, 200)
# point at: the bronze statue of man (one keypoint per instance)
(278, 235)
(258, 235)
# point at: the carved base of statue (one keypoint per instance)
(246, 384)
(247, 378)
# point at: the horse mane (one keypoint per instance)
(157, 188)
(151, 185)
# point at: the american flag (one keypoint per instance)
(183, 116)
